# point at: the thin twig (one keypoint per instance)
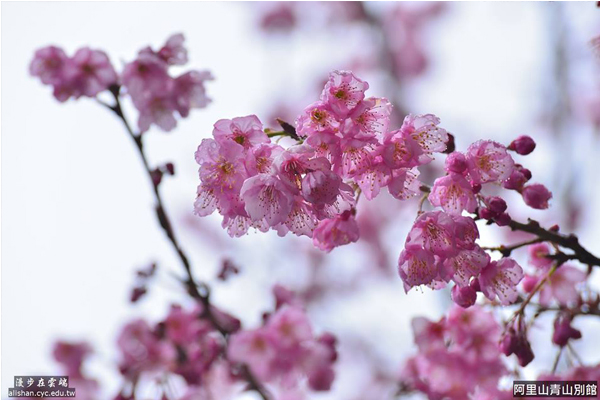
(507, 250)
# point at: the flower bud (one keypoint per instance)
(486, 213)
(516, 343)
(522, 145)
(456, 162)
(496, 204)
(464, 297)
(536, 196)
(563, 331)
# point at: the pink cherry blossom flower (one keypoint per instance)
(458, 356)
(302, 219)
(562, 286)
(464, 297)
(475, 332)
(141, 350)
(295, 161)
(429, 335)
(188, 91)
(337, 231)
(537, 255)
(256, 349)
(417, 266)
(465, 232)
(236, 220)
(536, 196)
(399, 151)
(517, 178)
(147, 73)
(259, 159)
(372, 117)
(355, 155)
(465, 265)
(488, 161)
(156, 109)
(221, 165)
(182, 326)
(243, 131)
(456, 162)
(404, 183)
(318, 117)
(222, 174)
(48, 64)
(377, 176)
(500, 278)
(424, 130)
(173, 52)
(434, 232)
(321, 187)
(90, 72)
(343, 91)
(284, 349)
(266, 196)
(454, 194)
(289, 326)
(326, 145)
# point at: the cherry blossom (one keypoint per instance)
(500, 278)
(488, 161)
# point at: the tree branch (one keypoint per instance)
(200, 291)
(568, 241)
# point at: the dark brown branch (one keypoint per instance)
(567, 241)
(200, 291)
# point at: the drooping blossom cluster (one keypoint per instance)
(441, 247)
(343, 146)
(155, 93)
(458, 356)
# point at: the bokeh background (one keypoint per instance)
(77, 207)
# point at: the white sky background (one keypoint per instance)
(77, 208)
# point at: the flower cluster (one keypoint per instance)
(344, 145)
(285, 351)
(182, 343)
(458, 356)
(441, 246)
(155, 93)
(87, 73)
